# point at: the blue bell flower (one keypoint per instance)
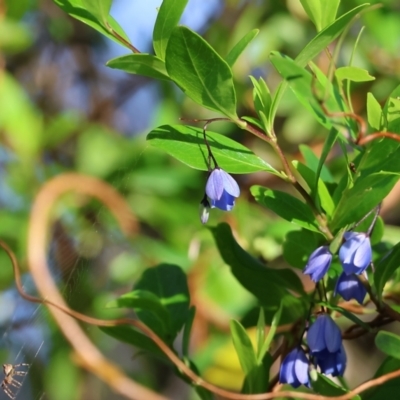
(350, 287)
(333, 363)
(294, 369)
(222, 190)
(355, 253)
(324, 336)
(318, 263)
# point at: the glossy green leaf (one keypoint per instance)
(298, 246)
(358, 200)
(200, 72)
(385, 268)
(186, 144)
(141, 64)
(100, 9)
(240, 46)
(374, 112)
(353, 74)
(168, 18)
(147, 301)
(388, 343)
(312, 162)
(127, 334)
(321, 12)
(322, 171)
(260, 333)
(269, 285)
(314, 47)
(76, 9)
(168, 283)
(326, 387)
(286, 206)
(243, 346)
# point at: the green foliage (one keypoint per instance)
(388, 343)
(200, 72)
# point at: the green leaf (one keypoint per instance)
(388, 343)
(260, 333)
(141, 64)
(269, 285)
(286, 206)
(99, 9)
(322, 171)
(200, 72)
(385, 269)
(147, 301)
(187, 331)
(301, 82)
(270, 336)
(358, 200)
(312, 162)
(168, 283)
(262, 102)
(298, 246)
(314, 47)
(240, 46)
(129, 335)
(353, 74)
(325, 387)
(186, 144)
(256, 381)
(168, 18)
(76, 9)
(243, 347)
(374, 112)
(320, 194)
(321, 12)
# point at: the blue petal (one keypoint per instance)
(215, 184)
(318, 263)
(225, 203)
(301, 366)
(363, 255)
(333, 336)
(229, 184)
(286, 372)
(350, 287)
(316, 337)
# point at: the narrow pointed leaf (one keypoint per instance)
(240, 46)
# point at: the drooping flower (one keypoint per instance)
(324, 336)
(222, 190)
(333, 363)
(355, 253)
(350, 287)
(204, 210)
(325, 342)
(294, 369)
(318, 263)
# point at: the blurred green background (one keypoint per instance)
(62, 110)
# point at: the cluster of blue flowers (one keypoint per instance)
(324, 338)
(325, 351)
(355, 256)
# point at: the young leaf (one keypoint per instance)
(312, 162)
(313, 10)
(168, 18)
(388, 343)
(186, 144)
(374, 112)
(243, 347)
(141, 64)
(240, 46)
(286, 206)
(200, 72)
(262, 102)
(328, 144)
(353, 74)
(298, 246)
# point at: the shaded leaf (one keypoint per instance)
(388, 343)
